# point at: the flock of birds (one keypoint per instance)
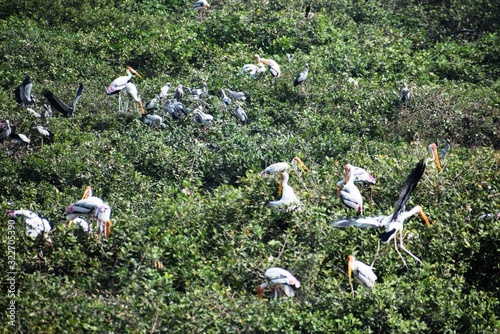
(90, 206)
(284, 281)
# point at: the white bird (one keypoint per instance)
(272, 66)
(405, 94)
(359, 174)
(131, 89)
(33, 113)
(42, 131)
(200, 7)
(154, 120)
(279, 167)
(103, 215)
(202, 118)
(83, 224)
(252, 70)
(22, 93)
(350, 194)
(240, 114)
(164, 90)
(119, 84)
(279, 279)
(394, 223)
(35, 225)
(60, 106)
(153, 103)
(46, 112)
(85, 206)
(19, 138)
(198, 93)
(301, 77)
(86, 194)
(288, 201)
(290, 57)
(362, 272)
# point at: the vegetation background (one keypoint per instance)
(191, 264)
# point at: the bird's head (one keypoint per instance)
(87, 193)
(435, 156)
(422, 215)
(11, 214)
(133, 71)
(257, 58)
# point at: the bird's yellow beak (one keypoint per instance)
(107, 230)
(433, 151)
(140, 106)
(349, 268)
(423, 216)
(70, 222)
(87, 193)
(134, 71)
(280, 187)
(346, 173)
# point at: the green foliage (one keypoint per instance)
(182, 263)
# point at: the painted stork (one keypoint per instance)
(301, 77)
(289, 201)
(350, 194)
(363, 273)
(35, 225)
(92, 206)
(42, 131)
(59, 105)
(359, 174)
(279, 279)
(119, 84)
(279, 167)
(200, 7)
(131, 89)
(272, 66)
(22, 93)
(83, 224)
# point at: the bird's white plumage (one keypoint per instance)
(289, 201)
(350, 194)
(362, 272)
(280, 279)
(35, 225)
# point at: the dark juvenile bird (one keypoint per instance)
(239, 96)
(22, 93)
(301, 77)
(60, 106)
(179, 93)
(405, 94)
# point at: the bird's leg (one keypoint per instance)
(120, 101)
(275, 292)
(401, 256)
(407, 251)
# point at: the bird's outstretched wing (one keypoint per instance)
(78, 96)
(362, 222)
(408, 187)
(57, 104)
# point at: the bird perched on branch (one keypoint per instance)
(92, 206)
(279, 167)
(289, 201)
(119, 84)
(131, 89)
(272, 66)
(59, 105)
(405, 94)
(281, 280)
(241, 115)
(200, 7)
(35, 225)
(350, 194)
(252, 70)
(238, 96)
